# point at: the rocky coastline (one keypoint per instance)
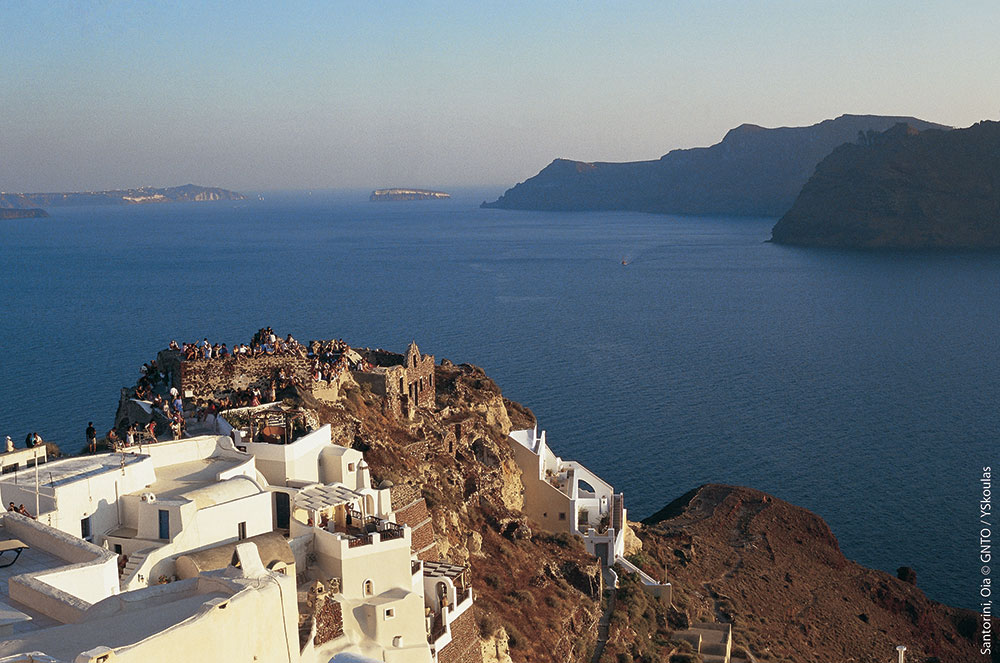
(142, 195)
(902, 189)
(735, 557)
(753, 171)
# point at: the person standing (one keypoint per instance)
(10, 444)
(92, 437)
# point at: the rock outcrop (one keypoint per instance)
(379, 195)
(776, 572)
(186, 193)
(904, 188)
(753, 172)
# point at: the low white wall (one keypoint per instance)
(298, 461)
(64, 593)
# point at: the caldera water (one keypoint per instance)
(859, 385)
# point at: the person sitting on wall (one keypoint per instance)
(10, 444)
(113, 440)
(173, 346)
(24, 512)
(12, 508)
(151, 427)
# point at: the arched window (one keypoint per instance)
(369, 588)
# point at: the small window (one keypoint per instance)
(242, 534)
(390, 613)
(562, 515)
(350, 467)
(369, 588)
(10, 468)
(118, 549)
(85, 528)
(545, 514)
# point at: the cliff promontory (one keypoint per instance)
(776, 572)
(753, 172)
(904, 188)
(174, 194)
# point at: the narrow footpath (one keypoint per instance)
(603, 626)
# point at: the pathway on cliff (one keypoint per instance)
(603, 626)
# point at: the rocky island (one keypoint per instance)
(754, 171)
(379, 195)
(185, 193)
(905, 188)
(391, 493)
(14, 213)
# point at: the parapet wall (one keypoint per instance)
(209, 378)
(63, 593)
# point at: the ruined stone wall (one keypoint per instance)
(209, 378)
(464, 646)
(331, 391)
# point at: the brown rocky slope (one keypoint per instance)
(776, 573)
(733, 554)
(537, 594)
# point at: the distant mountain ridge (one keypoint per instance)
(185, 193)
(903, 188)
(753, 171)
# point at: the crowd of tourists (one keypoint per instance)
(264, 342)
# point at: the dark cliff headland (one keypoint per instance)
(753, 172)
(12, 213)
(904, 189)
(175, 194)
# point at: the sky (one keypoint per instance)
(330, 95)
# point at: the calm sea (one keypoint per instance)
(862, 386)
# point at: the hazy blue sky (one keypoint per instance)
(260, 95)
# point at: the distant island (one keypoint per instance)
(10, 213)
(186, 193)
(407, 194)
(753, 172)
(904, 188)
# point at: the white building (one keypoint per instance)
(339, 577)
(151, 506)
(68, 609)
(564, 496)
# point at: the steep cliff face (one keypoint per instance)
(753, 172)
(537, 595)
(903, 189)
(776, 572)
